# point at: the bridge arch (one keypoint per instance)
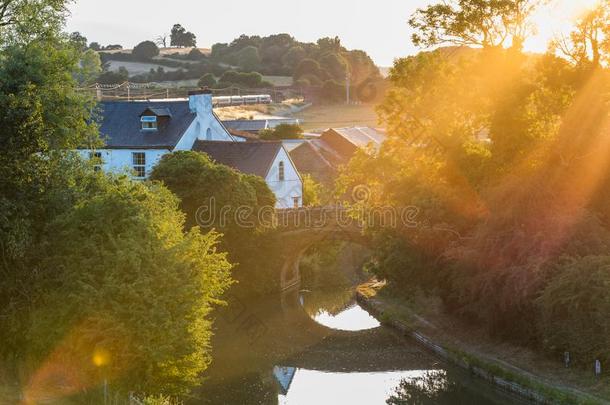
(301, 228)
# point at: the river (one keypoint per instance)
(322, 348)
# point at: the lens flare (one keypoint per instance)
(101, 358)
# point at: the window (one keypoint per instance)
(208, 135)
(96, 158)
(149, 122)
(138, 160)
(296, 202)
(282, 170)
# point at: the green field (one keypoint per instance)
(320, 117)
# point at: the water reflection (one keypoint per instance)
(318, 387)
(337, 311)
(353, 318)
(434, 387)
(290, 359)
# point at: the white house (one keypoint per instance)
(268, 160)
(138, 133)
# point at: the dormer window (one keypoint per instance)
(149, 123)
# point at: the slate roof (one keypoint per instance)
(121, 127)
(243, 134)
(247, 157)
(246, 125)
(160, 112)
(309, 159)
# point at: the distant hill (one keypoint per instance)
(317, 70)
(163, 52)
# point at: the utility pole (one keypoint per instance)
(347, 84)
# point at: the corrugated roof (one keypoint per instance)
(361, 136)
(121, 126)
(247, 157)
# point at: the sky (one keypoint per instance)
(378, 27)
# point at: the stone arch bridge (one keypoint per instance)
(300, 228)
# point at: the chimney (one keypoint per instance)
(200, 101)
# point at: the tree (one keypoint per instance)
(361, 67)
(336, 66)
(114, 77)
(156, 287)
(332, 45)
(238, 205)
(90, 67)
(145, 50)
(196, 54)
(252, 79)
(486, 23)
(575, 306)
(294, 56)
(248, 59)
(43, 116)
(196, 179)
(79, 41)
(312, 191)
(589, 43)
(180, 37)
(333, 91)
(24, 20)
(282, 131)
(161, 40)
(207, 80)
(309, 67)
(95, 46)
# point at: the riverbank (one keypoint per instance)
(514, 369)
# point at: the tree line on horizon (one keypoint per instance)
(325, 65)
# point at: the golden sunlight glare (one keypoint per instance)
(555, 19)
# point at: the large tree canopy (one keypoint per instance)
(505, 156)
(28, 19)
(180, 37)
(589, 42)
(124, 281)
(486, 23)
(93, 293)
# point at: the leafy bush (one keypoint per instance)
(400, 262)
(196, 179)
(575, 309)
(195, 54)
(333, 91)
(145, 50)
(250, 80)
(282, 131)
(127, 288)
(112, 77)
(207, 80)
